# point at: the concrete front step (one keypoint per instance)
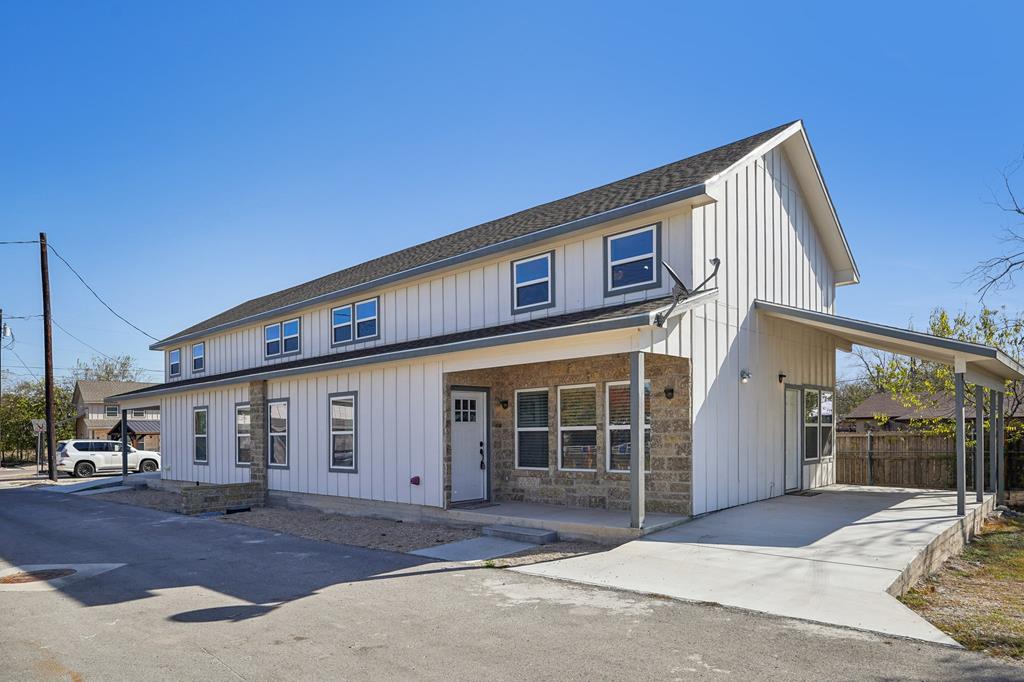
(536, 536)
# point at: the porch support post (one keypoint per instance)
(637, 503)
(1000, 451)
(979, 442)
(961, 448)
(993, 431)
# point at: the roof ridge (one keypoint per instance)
(653, 182)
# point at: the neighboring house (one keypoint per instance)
(143, 433)
(882, 412)
(498, 363)
(96, 417)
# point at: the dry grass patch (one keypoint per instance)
(154, 499)
(395, 536)
(977, 598)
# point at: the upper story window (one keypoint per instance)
(532, 283)
(199, 357)
(139, 413)
(355, 322)
(110, 410)
(174, 362)
(632, 260)
(281, 338)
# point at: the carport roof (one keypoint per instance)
(982, 364)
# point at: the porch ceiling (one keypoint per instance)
(981, 364)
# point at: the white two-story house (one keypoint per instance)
(539, 357)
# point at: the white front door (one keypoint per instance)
(794, 423)
(469, 445)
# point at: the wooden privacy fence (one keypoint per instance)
(899, 458)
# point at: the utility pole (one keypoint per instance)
(51, 439)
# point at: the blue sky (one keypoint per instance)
(188, 156)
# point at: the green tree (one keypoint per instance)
(26, 400)
(119, 368)
(920, 383)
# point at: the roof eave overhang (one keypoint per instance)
(694, 194)
(983, 365)
(801, 156)
(631, 321)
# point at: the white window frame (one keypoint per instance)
(550, 280)
(171, 363)
(610, 288)
(139, 413)
(238, 436)
(286, 435)
(561, 428)
(205, 436)
(354, 321)
(348, 395)
(536, 429)
(609, 427)
(106, 411)
(202, 356)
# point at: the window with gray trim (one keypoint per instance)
(355, 322)
(620, 436)
(632, 260)
(174, 362)
(819, 424)
(532, 429)
(243, 435)
(577, 428)
(282, 338)
(200, 454)
(343, 432)
(198, 356)
(531, 283)
(277, 432)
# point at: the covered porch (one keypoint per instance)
(987, 369)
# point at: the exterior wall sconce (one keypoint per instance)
(504, 404)
(745, 376)
(670, 392)
(782, 377)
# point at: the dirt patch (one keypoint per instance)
(395, 536)
(549, 552)
(154, 499)
(977, 598)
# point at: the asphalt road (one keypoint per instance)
(171, 597)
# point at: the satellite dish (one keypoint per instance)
(681, 292)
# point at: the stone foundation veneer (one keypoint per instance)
(668, 484)
(258, 439)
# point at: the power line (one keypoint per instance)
(98, 298)
(80, 340)
(24, 241)
(22, 362)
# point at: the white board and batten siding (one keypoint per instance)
(177, 448)
(761, 230)
(476, 296)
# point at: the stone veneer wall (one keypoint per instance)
(668, 484)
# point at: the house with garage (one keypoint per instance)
(96, 418)
(663, 345)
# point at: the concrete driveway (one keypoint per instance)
(827, 558)
(161, 596)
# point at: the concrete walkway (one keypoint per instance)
(827, 558)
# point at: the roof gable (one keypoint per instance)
(663, 181)
(793, 140)
(98, 391)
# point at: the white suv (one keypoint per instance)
(83, 458)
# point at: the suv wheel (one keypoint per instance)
(84, 469)
(148, 466)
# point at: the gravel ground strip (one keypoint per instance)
(395, 536)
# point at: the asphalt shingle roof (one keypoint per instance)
(591, 315)
(671, 177)
(98, 391)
